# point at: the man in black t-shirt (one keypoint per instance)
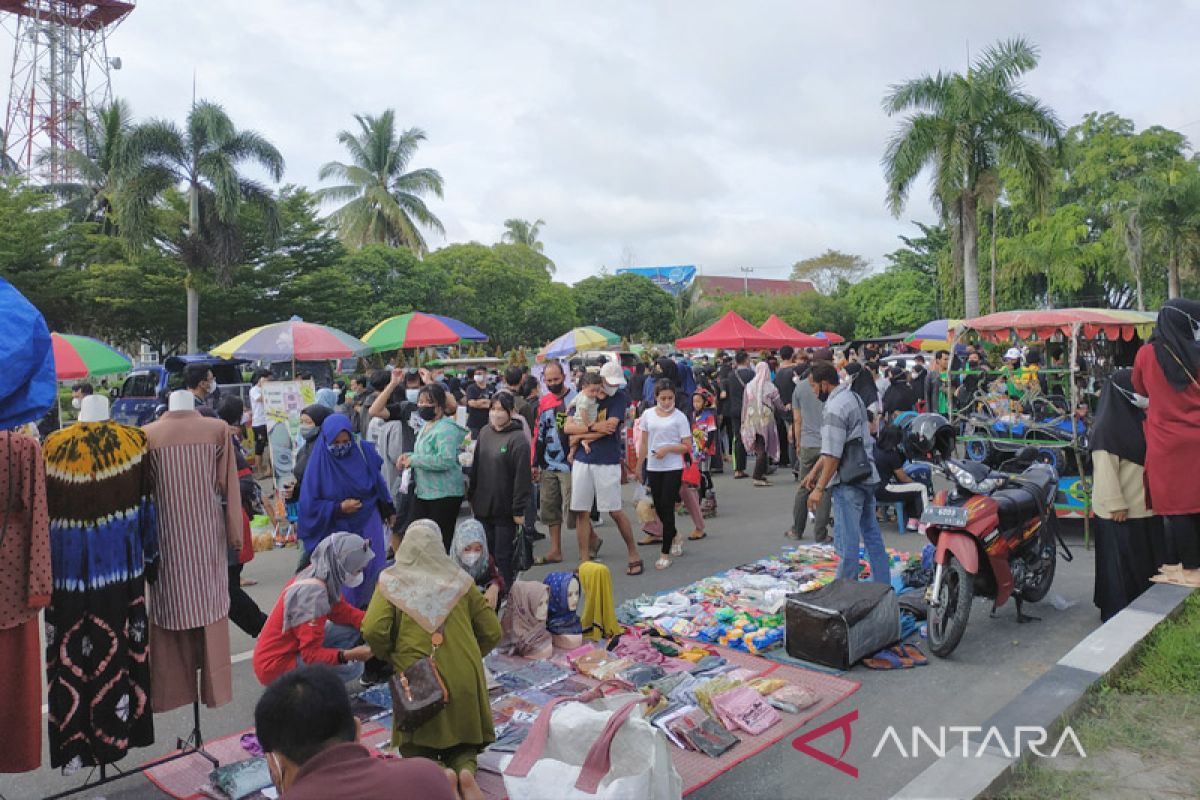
(400, 405)
(735, 390)
(786, 384)
(479, 400)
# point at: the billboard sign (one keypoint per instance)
(670, 279)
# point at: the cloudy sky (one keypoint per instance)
(717, 134)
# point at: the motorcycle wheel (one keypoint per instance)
(1033, 594)
(948, 621)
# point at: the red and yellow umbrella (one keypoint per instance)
(412, 330)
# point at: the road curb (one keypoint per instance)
(1047, 702)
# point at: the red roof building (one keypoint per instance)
(731, 285)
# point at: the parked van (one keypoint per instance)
(146, 388)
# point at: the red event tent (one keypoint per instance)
(776, 327)
(730, 332)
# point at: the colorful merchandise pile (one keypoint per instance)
(742, 608)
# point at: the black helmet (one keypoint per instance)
(929, 434)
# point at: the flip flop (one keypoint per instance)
(594, 550)
(692, 536)
(541, 561)
(634, 567)
(740, 476)
(888, 659)
(919, 659)
(648, 539)
(1178, 579)
(762, 483)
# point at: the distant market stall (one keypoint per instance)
(730, 332)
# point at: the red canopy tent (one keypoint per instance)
(776, 327)
(730, 332)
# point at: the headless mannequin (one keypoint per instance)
(94, 409)
(569, 641)
(181, 400)
(543, 610)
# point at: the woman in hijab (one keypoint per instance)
(899, 396)
(1167, 370)
(344, 490)
(311, 419)
(862, 383)
(1129, 537)
(759, 431)
(311, 622)
(469, 550)
(423, 594)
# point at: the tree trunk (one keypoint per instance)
(993, 291)
(970, 246)
(193, 315)
(1173, 275)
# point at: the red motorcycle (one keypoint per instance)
(995, 532)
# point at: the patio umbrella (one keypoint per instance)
(776, 327)
(829, 337)
(933, 335)
(293, 340)
(82, 356)
(411, 330)
(465, 332)
(585, 338)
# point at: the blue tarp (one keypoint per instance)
(27, 383)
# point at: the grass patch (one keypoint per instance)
(1138, 728)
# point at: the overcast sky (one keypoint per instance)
(717, 134)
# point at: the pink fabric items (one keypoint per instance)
(636, 647)
(744, 708)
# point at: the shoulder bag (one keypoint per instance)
(419, 693)
(855, 466)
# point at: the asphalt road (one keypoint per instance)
(995, 661)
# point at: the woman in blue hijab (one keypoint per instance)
(344, 490)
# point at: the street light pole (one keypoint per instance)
(746, 280)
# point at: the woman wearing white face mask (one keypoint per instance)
(470, 551)
(500, 481)
(311, 622)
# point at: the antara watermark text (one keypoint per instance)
(956, 740)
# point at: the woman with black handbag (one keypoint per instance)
(431, 623)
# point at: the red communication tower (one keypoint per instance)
(60, 70)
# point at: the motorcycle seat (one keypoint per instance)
(1042, 478)
(1015, 506)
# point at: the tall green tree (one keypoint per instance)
(522, 231)
(102, 158)
(204, 160)
(966, 127)
(627, 304)
(1170, 217)
(830, 270)
(383, 201)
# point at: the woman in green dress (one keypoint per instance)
(424, 591)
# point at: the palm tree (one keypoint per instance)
(522, 231)
(384, 202)
(203, 159)
(8, 165)
(966, 127)
(1170, 216)
(101, 161)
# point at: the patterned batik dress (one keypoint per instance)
(103, 538)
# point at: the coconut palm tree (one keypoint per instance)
(522, 231)
(8, 165)
(1169, 208)
(384, 203)
(203, 161)
(966, 127)
(100, 162)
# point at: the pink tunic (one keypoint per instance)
(1172, 438)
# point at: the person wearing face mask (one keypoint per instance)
(1130, 543)
(479, 401)
(344, 490)
(807, 412)
(551, 469)
(1167, 370)
(78, 392)
(470, 551)
(311, 622)
(311, 419)
(243, 611)
(500, 478)
(434, 461)
(198, 379)
(311, 741)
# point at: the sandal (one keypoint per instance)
(634, 567)
(919, 659)
(761, 483)
(696, 538)
(648, 539)
(594, 550)
(737, 476)
(662, 563)
(677, 548)
(891, 658)
(541, 561)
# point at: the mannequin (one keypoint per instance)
(189, 455)
(104, 538)
(524, 621)
(24, 589)
(94, 408)
(563, 610)
(544, 652)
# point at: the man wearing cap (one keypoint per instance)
(597, 476)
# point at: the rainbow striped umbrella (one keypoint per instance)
(589, 337)
(294, 340)
(411, 330)
(81, 356)
(933, 335)
(465, 332)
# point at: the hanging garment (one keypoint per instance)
(24, 589)
(197, 501)
(103, 537)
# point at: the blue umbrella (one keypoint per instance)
(464, 331)
(27, 385)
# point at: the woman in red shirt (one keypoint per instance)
(311, 622)
(1167, 370)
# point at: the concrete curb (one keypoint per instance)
(1047, 702)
